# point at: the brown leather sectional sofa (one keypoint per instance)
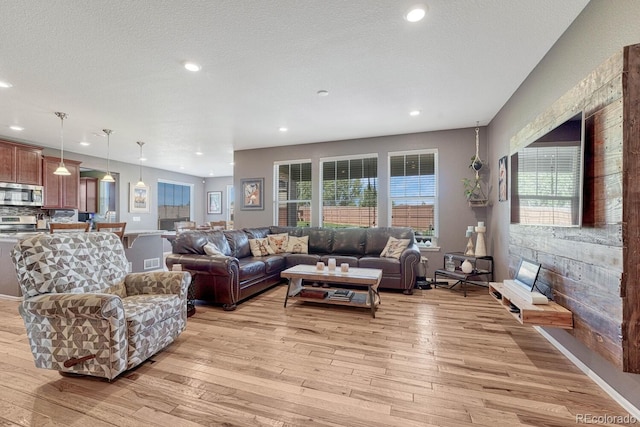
(237, 275)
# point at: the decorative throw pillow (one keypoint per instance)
(394, 247)
(211, 249)
(259, 247)
(278, 242)
(298, 245)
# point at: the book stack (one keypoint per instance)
(313, 293)
(341, 295)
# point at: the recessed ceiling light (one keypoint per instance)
(210, 173)
(5, 85)
(323, 92)
(415, 14)
(283, 129)
(181, 167)
(198, 153)
(232, 163)
(192, 66)
(143, 159)
(16, 128)
(85, 143)
(414, 113)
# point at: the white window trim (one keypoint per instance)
(321, 161)
(436, 208)
(276, 185)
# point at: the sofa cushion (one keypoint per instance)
(274, 263)
(306, 259)
(257, 233)
(251, 268)
(259, 247)
(394, 247)
(377, 237)
(349, 241)
(387, 265)
(298, 245)
(292, 231)
(238, 242)
(320, 239)
(278, 243)
(211, 249)
(340, 259)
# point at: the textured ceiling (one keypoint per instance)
(118, 64)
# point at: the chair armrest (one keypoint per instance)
(68, 306)
(215, 265)
(158, 282)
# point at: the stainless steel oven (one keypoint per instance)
(20, 194)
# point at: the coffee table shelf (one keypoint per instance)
(369, 278)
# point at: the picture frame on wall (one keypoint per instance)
(252, 193)
(502, 179)
(214, 202)
(138, 199)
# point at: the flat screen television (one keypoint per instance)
(547, 177)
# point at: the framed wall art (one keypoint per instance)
(252, 193)
(138, 199)
(214, 202)
(502, 179)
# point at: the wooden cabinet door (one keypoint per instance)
(28, 166)
(51, 183)
(71, 187)
(60, 191)
(7, 163)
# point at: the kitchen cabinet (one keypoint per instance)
(21, 164)
(88, 194)
(60, 192)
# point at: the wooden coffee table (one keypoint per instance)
(367, 278)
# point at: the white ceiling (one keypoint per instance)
(118, 64)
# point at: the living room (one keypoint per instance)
(600, 31)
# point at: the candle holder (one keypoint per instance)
(469, 250)
(481, 249)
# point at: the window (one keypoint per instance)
(293, 197)
(349, 192)
(174, 204)
(413, 189)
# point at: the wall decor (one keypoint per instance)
(138, 198)
(214, 202)
(502, 179)
(252, 193)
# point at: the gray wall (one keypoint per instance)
(602, 29)
(455, 149)
(218, 184)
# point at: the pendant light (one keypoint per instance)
(62, 170)
(108, 177)
(140, 182)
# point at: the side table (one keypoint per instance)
(481, 274)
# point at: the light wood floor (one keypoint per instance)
(434, 358)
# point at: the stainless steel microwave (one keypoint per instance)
(20, 194)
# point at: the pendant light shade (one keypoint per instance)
(108, 177)
(140, 182)
(62, 170)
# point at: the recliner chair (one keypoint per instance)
(84, 314)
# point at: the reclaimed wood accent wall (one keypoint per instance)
(593, 270)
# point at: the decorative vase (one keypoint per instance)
(469, 251)
(466, 267)
(481, 249)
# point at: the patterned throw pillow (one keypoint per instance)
(259, 247)
(211, 249)
(298, 245)
(278, 242)
(394, 247)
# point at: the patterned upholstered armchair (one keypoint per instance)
(84, 314)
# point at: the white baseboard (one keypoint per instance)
(622, 401)
(10, 297)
